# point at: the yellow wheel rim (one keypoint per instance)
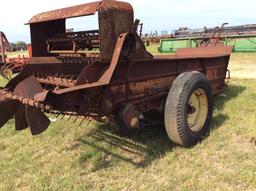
(197, 110)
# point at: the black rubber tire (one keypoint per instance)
(176, 108)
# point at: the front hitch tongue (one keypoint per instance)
(25, 116)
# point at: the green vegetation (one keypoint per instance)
(2, 81)
(95, 157)
(153, 49)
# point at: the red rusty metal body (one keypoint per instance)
(95, 73)
(4, 46)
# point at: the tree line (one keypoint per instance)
(18, 46)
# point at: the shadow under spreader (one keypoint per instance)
(220, 101)
(142, 149)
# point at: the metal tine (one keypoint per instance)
(76, 119)
(56, 88)
(69, 117)
(53, 76)
(56, 75)
(51, 115)
(61, 75)
(80, 124)
(49, 76)
(72, 77)
(57, 115)
(63, 78)
(67, 78)
(63, 116)
(89, 122)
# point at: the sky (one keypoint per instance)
(155, 14)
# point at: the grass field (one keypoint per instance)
(243, 65)
(95, 157)
(16, 54)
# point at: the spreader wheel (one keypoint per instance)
(188, 109)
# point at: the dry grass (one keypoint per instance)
(243, 66)
(16, 54)
(69, 157)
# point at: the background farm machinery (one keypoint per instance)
(108, 73)
(242, 38)
(8, 66)
(249, 29)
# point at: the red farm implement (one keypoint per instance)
(108, 73)
(8, 66)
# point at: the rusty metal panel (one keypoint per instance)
(4, 46)
(107, 75)
(40, 32)
(69, 12)
(2, 50)
(204, 52)
(151, 69)
(114, 18)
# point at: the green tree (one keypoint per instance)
(21, 45)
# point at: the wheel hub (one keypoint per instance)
(197, 110)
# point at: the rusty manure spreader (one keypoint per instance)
(108, 74)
